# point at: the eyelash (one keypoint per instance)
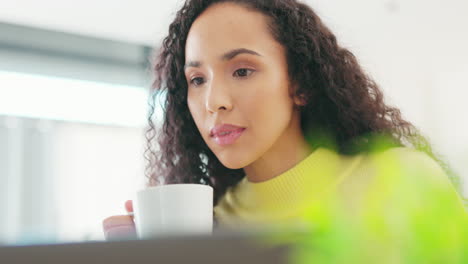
(192, 81)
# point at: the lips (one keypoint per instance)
(224, 129)
(226, 134)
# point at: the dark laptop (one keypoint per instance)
(220, 248)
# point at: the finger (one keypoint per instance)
(122, 232)
(129, 206)
(117, 220)
(119, 227)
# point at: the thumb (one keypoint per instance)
(129, 206)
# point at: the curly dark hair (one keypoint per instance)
(347, 110)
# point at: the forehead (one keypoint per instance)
(228, 26)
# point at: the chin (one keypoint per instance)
(232, 163)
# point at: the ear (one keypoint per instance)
(300, 100)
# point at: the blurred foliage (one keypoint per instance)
(409, 215)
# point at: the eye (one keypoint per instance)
(197, 81)
(243, 72)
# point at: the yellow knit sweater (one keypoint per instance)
(359, 182)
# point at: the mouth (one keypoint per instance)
(225, 138)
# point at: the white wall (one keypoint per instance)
(137, 21)
(61, 179)
(97, 168)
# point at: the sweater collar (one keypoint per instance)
(307, 180)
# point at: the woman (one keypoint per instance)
(266, 107)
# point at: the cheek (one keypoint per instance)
(269, 104)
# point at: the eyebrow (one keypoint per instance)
(226, 56)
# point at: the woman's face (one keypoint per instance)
(237, 74)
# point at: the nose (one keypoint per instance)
(218, 97)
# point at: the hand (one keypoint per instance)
(120, 227)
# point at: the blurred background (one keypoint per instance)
(73, 97)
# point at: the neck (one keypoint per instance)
(290, 149)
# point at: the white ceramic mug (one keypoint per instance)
(174, 209)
